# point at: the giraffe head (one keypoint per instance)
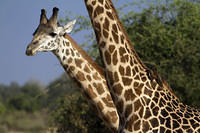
(48, 33)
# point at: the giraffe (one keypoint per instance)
(144, 101)
(50, 36)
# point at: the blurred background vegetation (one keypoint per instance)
(166, 35)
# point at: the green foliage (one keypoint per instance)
(60, 86)
(23, 98)
(2, 108)
(19, 106)
(7, 92)
(23, 102)
(167, 37)
(73, 114)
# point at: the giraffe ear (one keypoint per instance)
(68, 27)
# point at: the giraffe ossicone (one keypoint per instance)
(51, 36)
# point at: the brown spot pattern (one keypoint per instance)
(115, 59)
(110, 15)
(105, 33)
(111, 48)
(148, 92)
(109, 104)
(114, 27)
(89, 78)
(118, 89)
(138, 90)
(133, 72)
(101, 1)
(137, 125)
(146, 126)
(100, 105)
(122, 39)
(137, 105)
(72, 68)
(115, 37)
(114, 119)
(128, 110)
(136, 84)
(78, 62)
(80, 76)
(91, 92)
(93, 3)
(128, 95)
(67, 52)
(126, 81)
(86, 69)
(69, 60)
(96, 77)
(129, 125)
(116, 77)
(72, 53)
(110, 75)
(128, 71)
(120, 106)
(102, 44)
(97, 30)
(122, 51)
(121, 70)
(137, 77)
(106, 24)
(99, 88)
(99, 10)
(107, 57)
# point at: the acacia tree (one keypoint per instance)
(72, 114)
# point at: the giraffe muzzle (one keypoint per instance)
(30, 51)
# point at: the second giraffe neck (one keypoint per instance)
(123, 66)
(90, 77)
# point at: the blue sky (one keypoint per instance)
(18, 20)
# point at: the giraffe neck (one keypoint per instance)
(90, 77)
(123, 66)
(144, 102)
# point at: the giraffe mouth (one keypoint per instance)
(30, 52)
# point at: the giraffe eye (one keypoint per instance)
(52, 34)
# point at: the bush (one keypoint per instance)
(2, 108)
(73, 114)
(23, 102)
